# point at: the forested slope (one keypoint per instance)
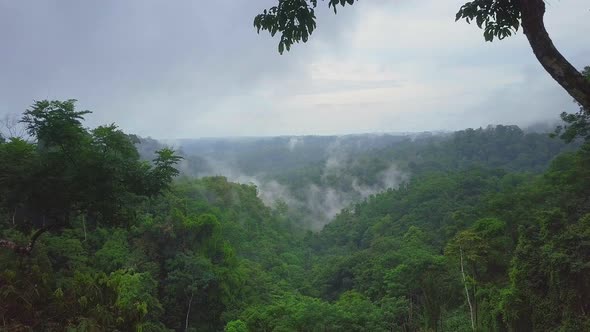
(318, 176)
(488, 231)
(523, 241)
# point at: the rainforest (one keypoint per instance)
(412, 166)
(485, 229)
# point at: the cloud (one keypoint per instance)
(312, 203)
(193, 69)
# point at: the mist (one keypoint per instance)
(200, 70)
(313, 201)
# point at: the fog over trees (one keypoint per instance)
(201, 185)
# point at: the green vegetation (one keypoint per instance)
(489, 232)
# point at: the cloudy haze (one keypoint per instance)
(172, 69)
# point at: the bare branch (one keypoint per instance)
(24, 250)
(10, 126)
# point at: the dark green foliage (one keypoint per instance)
(295, 20)
(72, 180)
(522, 259)
(498, 18)
(576, 125)
(486, 212)
(70, 171)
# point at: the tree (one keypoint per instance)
(470, 248)
(190, 274)
(480, 250)
(135, 300)
(577, 124)
(70, 171)
(164, 170)
(420, 277)
(549, 285)
(296, 21)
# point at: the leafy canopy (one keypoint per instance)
(295, 20)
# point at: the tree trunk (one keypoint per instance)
(84, 226)
(554, 63)
(467, 291)
(475, 303)
(188, 312)
(410, 314)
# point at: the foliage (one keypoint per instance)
(71, 171)
(295, 20)
(498, 18)
(146, 250)
(576, 125)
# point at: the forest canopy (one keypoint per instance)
(490, 231)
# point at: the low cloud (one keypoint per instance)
(198, 69)
(315, 204)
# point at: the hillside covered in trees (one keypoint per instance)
(400, 173)
(481, 229)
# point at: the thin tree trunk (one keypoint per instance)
(14, 217)
(410, 316)
(550, 58)
(188, 312)
(475, 303)
(467, 291)
(84, 226)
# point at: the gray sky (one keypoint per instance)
(173, 69)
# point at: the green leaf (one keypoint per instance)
(281, 47)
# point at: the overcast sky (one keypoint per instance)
(178, 69)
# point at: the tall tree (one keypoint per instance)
(71, 171)
(296, 21)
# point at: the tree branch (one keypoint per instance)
(24, 250)
(550, 58)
